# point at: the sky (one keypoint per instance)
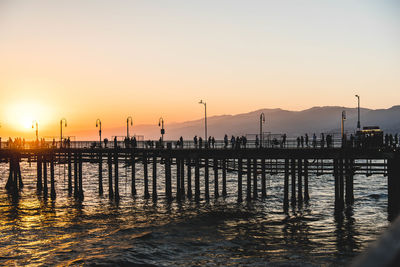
(84, 60)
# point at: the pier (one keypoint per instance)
(182, 166)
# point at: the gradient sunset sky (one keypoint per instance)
(84, 60)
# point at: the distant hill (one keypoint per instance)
(314, 120)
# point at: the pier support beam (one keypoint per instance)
(182, 177)
(116, 177)
(69, 174)
(146, 177)
(393, 186)
(263, 180)
(197, 180)
(216, 193)
(248, 188)
(39, 185)
(154, 178)
(255, 193)
(110, 181)
(224, 178)
(76, 189)
(206, 180)
(100, 174)
(293, 170)
(178, 179)
(168, 186)
(80, 177)
(286, 185)
(306, 194)
(189, 178)
(52, 182)
(45, 187)
(349, 173)
(240, 183)
(300, 181)
(133, 175)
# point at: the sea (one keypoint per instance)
(135, 231)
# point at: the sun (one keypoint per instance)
(23, 115)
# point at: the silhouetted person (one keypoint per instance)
(306, 140)
(314, 141)
(244, 140)
(302, 141)
(322, 140)
(195, 141)
(200, 142)
(298, 141)
(233, 141)
(115, 142)
(257, 141)
(213, 142)
(225, 141)
(284, 140)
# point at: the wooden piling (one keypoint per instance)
(52, 182)
(197, 180)
(76, 189)
(154, 178)
(45, 187)
(240, 184)
(189, 178)
(255, 193)
(146, 177)
(224, 178)
(168, 186)
(349, 197)
(286, 185)
(248, 188)
(178, 179)
(116, 176)
(69, 174)
(215, 163)
(206, 180)
(393, 187)
(39, 185)
(182, 169)
(341, 183)
(263, 179)
(100, 174)
(293, 165)
(306, 194)
(80, 177)
(299, 180)
(133, 175)
(110, 176)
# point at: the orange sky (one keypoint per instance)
(96, 59)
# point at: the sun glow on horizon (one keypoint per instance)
(22, 116)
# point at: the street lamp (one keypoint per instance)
(37, 129)
(98, 124)
(161, 123)
(61, 124)
(262, 120)
(127, 125)
(205, 120)
(358, 121)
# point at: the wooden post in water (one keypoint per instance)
(224, 178)
(240, 173)
(393, 168)
(154, 178)
(263, 179)
(286, 185)
(100, 174)
(178, 179)
(299, 180)
(69, 174)
(146, 177)
(255, 193)
(341, 183)
(45, 187)
(20, 183)
(133, 175)
(306, 194)
(336, 177)
(168, 191)
(206, 180)
(215, 163)
(52, 182)
(80, 177)
(349, 197)
(182, 160)
(76, 190)
(293, 198)
(116, 176)
(248, 189)
(39, 185)
(197, 180)
(189, 178)
(110, 181)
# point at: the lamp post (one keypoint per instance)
(65, 125)
(262, 120)
(37, 129)
(127, 125)
(205, 120)
(161, 123)
(98, 124)
(358, 121)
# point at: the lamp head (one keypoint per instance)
(201, 102)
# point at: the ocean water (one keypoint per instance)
(96, 231)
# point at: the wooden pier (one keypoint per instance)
(250, 165)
